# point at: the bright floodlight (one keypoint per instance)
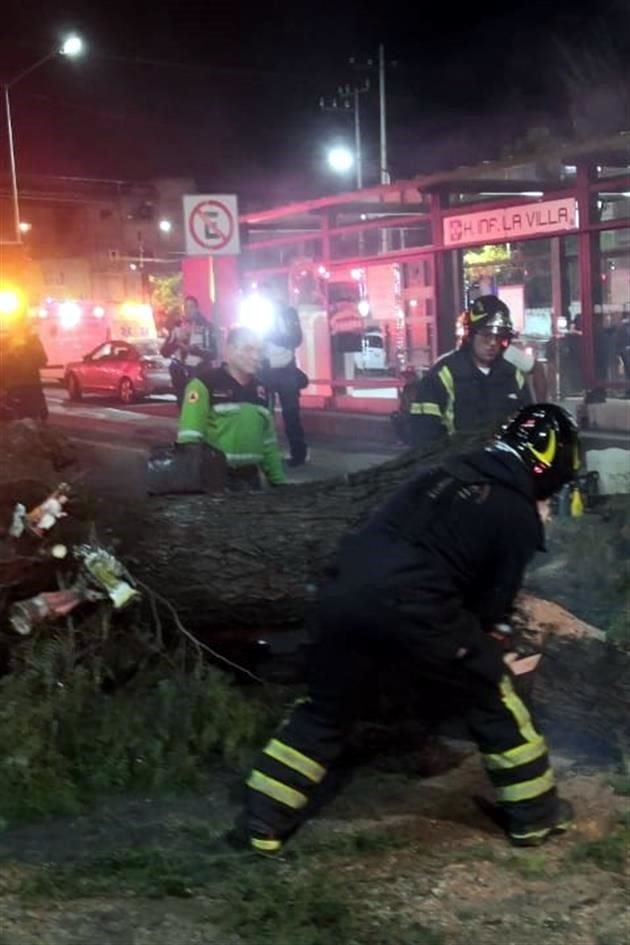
(25, 227)
(256, 313)
(72, 46)
(165, 226)
(340, 159)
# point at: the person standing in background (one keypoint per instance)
(282, 376)
(191, 344)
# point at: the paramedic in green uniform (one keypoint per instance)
(227, 408)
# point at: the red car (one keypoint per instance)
(128, 370)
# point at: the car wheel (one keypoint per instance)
(74, 388)
(126, 391)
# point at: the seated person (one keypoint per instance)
(227, 407)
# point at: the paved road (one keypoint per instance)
(114, 442)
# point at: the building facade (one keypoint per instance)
(380, 276)
(99, 239)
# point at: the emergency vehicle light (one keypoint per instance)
(69, 314)
(98, 311)
(11, 301)
(135, 310)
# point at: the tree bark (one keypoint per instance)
(244, 564)
(581, 688)
(248, 560)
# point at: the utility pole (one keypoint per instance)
(357, 138)
(14, 187)
(381, 66)
(348, 100)
(385, 175)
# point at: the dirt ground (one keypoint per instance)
(393, 859)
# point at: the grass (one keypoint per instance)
(620, 783)
(263, 902)
(353, 843)
(610, 853)
(620, 779)
(64, 741)
(529, 865)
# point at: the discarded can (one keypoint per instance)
(107, 573)
(18, 523)
(42, 518)
(24, 615)
(27, 614)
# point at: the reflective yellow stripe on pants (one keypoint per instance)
(288, 796)
(295, 760)
(521, 756)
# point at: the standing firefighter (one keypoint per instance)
(474, 388)
(438, 566)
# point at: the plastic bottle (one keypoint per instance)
(576, 504)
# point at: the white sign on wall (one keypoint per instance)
(511, 223)
(211, 223)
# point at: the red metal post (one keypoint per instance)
(585, 256)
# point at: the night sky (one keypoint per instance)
(228, 92)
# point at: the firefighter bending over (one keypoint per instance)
(474, 388)
(438, 566)
(227, 407)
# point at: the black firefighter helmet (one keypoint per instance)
(489, 314)
(546, 438)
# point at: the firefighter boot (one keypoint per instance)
(531, 835)
(534, 835)
(244, 836)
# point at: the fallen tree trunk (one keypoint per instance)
(249, 560)
(245, 564)
(581, 688)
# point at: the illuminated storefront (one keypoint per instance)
(380, 276)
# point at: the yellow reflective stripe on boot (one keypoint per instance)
(265, 846)
(515, 757)
(446, 376)
(295, 760)
(288, 796)
(526, 790)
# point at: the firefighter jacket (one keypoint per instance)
(234, 418)
(442, 561)
(455, 396)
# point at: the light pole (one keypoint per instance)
(71, 47)
(349, 98)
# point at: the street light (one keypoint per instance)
(71, 47)
(165, 226)
(25, 227)
(340, 159)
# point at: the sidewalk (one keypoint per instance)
(608, 424)
(356, 430)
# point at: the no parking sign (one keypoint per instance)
(211, 225)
